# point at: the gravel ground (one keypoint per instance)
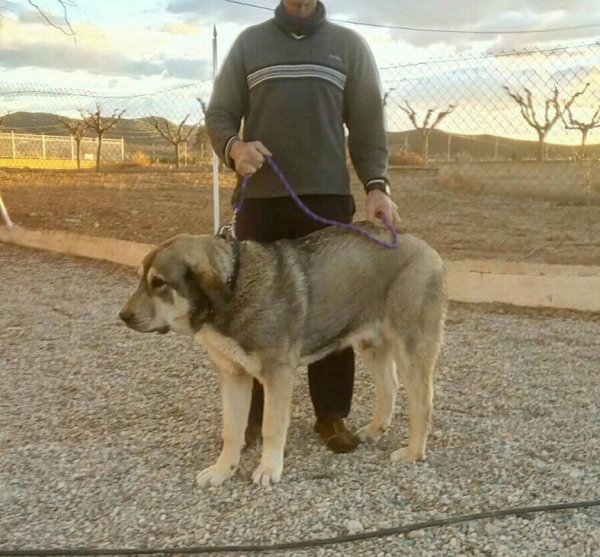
(102, 431)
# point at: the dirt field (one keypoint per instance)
(151, 206)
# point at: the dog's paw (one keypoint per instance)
(266, 475)
(214, 475)
(369, 435)
(404, 455)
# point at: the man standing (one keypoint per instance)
(295, 81)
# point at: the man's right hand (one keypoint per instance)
(248, 157)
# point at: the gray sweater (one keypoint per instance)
(295, 95)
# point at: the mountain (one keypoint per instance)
(139, 134)
(480, 147)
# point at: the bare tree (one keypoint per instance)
(174, 137)
(386, 96)
(428, 126)
(77, 130)
(202, 133)
(203, 106)
(552, 113)
(64, 27)
(101, 124)
(571, 123)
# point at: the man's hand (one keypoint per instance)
(380, 205)
(248, 157)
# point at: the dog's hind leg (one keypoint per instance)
(416, 371)
(380, 362)
(278, 383)
(236, 392)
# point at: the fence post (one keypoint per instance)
(122, 149)
(216, 211)
(185, 153)
(14, 146)
(72, 150)
(449, 147)
(43, 146)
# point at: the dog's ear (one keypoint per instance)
(214, 288)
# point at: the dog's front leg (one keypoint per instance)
(278, 383)
(236, 392)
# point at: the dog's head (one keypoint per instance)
(181, 286)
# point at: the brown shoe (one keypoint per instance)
(253, 433)
(337, 437)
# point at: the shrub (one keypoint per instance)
(406, 159)
(140, 158)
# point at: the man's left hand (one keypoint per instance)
(380, 205)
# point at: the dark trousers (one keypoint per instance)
(331, 379)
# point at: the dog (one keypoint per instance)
(261, 310)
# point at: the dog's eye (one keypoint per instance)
(156, 283)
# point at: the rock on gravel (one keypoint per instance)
(102, 431)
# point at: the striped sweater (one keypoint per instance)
(295, 95)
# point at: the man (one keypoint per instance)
(294, 81)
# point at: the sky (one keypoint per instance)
(126, 47)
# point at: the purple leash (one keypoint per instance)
(237, 205)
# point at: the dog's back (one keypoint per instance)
(352, 285)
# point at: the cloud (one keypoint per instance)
(217, 11)
(71, 58)
(180, 28)
(33, 16)
(465, 15)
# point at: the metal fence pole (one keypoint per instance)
(5, 216)
(14, 146)
(216, 209)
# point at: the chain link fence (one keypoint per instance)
(491, 156)
(505, 147)
(144, 129)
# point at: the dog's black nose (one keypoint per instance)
(126, 315)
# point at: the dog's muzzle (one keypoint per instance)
(128, 317)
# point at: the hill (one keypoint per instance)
(139, 134)
(480, 147)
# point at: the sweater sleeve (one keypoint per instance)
(228, 102)
(363, 115)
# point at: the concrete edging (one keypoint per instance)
(476, 281)
(94, 247)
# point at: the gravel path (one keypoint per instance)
(102, 431)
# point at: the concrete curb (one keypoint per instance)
(522, 284)
(94, 247)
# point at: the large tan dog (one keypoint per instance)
(263, 309)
